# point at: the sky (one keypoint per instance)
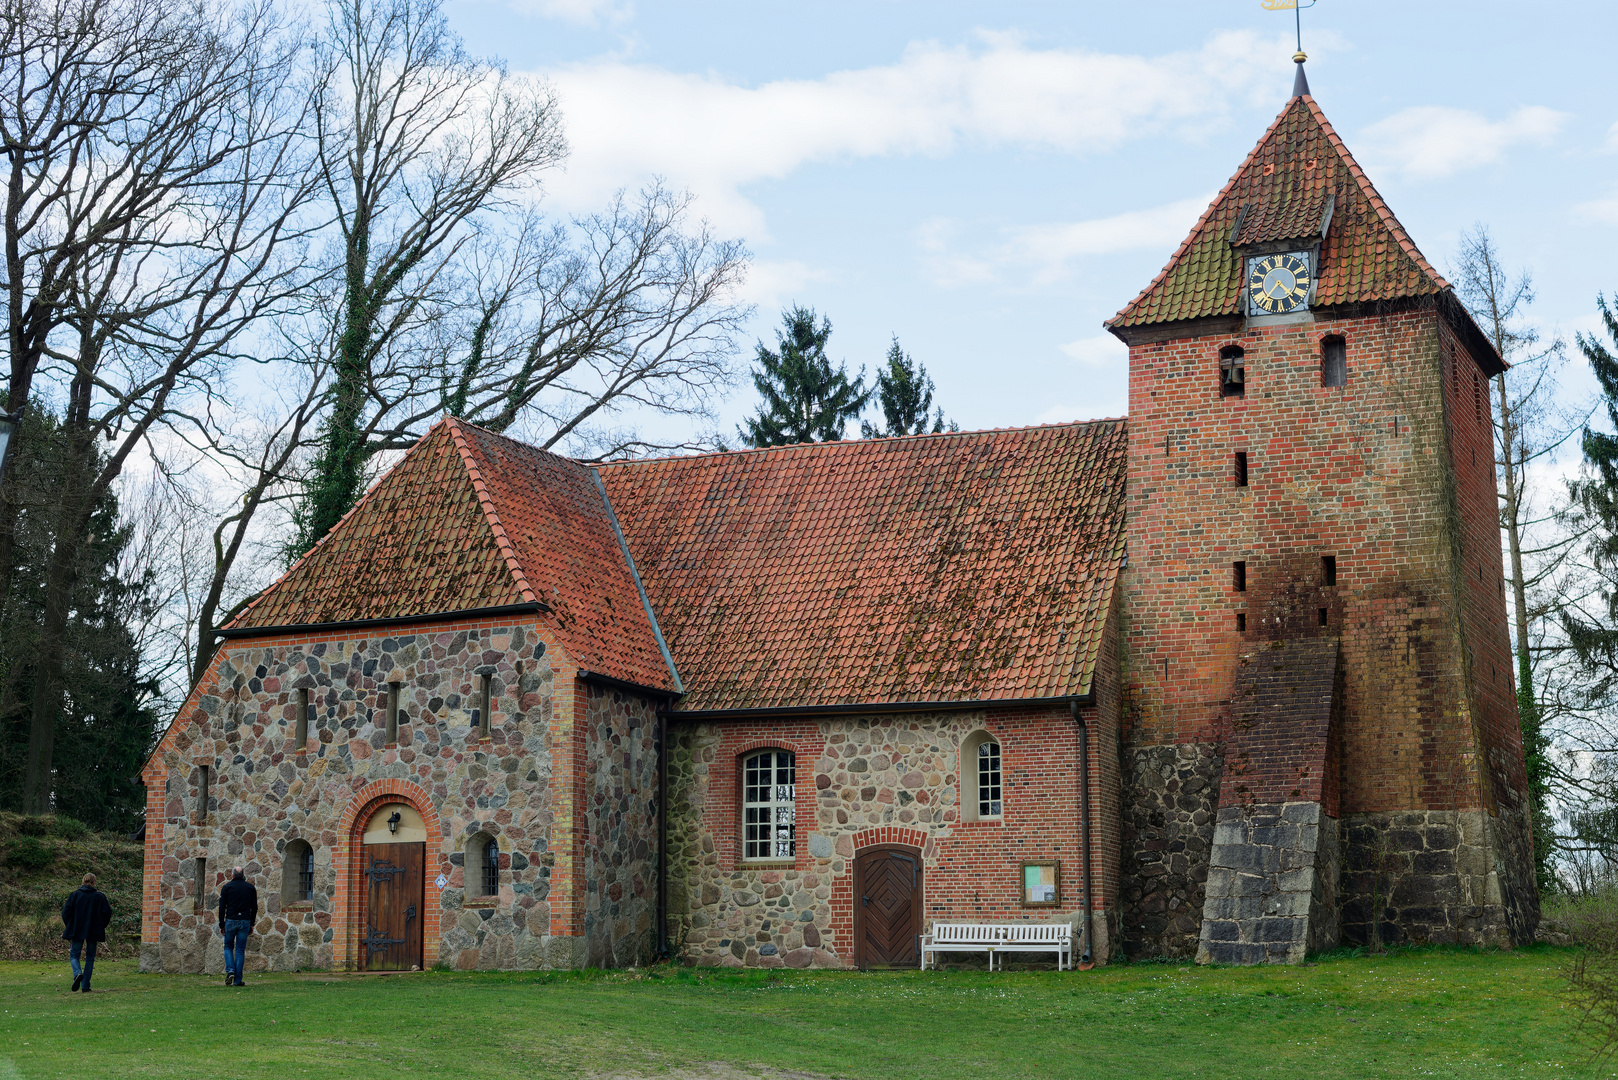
(991, 182)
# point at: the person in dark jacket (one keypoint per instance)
(238, 910)
(84, 922)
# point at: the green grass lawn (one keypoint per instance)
(1426, 1013)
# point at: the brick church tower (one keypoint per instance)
(1322, 740)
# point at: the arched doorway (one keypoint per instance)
(887, 907)
(393, 854)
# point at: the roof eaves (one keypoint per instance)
(507, 551)
(640, 587)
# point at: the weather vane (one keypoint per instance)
(1295, 7)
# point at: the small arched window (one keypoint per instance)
(1233, 371)
(980, 778)
(769, 806)
(1333, 361)
(298, 873)
(483, 866)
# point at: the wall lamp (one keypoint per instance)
(393, 821)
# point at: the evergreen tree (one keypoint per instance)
(106, 721)
(805, 398)
(905, 392)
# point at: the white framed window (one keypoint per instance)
(981, 786)
(769, 806)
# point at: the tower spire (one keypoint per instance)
(1300, 81)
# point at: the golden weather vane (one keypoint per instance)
(1295, 7)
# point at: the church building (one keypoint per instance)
(1229, 679)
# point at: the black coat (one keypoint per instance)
(238, 900)
(85, 915)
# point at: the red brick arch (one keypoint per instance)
(349, 861)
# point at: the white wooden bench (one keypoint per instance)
(999, 937)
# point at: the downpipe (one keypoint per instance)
(1087, 959)
(663, 834)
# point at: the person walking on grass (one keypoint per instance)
(238, 910)
(85, 916)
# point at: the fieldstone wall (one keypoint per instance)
(266, 791)
(620, 841)
(1272, 885)
(887, 779)
(1425, 876)
(1171, 797)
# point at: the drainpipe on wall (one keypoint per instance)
(663, 834)
(1087, 960)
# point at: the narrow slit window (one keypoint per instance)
(1328, 569)
(484, 720)
(1238, 576)
(1322, 616)
(300, 727)
(491, 868)
(201, 871)
(1333, 361)
(1241, 622)
(1241, 468)
(393, 712)
(204, 779)
(1232, 371)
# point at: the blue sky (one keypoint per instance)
(991, 182)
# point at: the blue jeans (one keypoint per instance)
(236, 931)
(89, 948)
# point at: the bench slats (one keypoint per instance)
(1003, 937)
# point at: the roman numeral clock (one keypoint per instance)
(1278, 284)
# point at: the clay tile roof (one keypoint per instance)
(1281, 192)
(956, 567)
(469, 519)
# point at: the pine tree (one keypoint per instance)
(805, 398)
(905, 392)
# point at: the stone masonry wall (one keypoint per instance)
(266, 791)
(878, 779)
(1272, 885)
(620, 835)
(1171, 798)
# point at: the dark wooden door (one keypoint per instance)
(887, 908)
(393, 907)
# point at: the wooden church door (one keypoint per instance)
(887, 908)
(393, 906)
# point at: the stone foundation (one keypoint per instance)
(1272, 885)
(1170, 803)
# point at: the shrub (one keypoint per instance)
(33, 826)
(30, 853)
(69, 828)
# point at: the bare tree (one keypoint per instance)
(153, 186)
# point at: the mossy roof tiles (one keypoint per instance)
(956, 567)
(1280, 193)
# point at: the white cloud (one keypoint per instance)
(578, 12)
(1430, 141)
(1612, 137)
(627, 122)
(1101, 351)
(774, 283)
(1602, 210)
(1043, 252)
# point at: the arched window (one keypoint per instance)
(769, 806)
(482, 870)
(1232, 371)
(1333, 361)
(980, 778)
(297, 873)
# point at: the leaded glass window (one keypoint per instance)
(988, 779)
(769, 806)
(491, 869)
(306, 874)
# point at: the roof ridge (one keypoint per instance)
(620, 462)
(1384, 214)
(486, 501)
(1196, 230)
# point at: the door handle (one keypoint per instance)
(865, 900)
(410, 913)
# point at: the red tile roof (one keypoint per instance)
(1280, 193)
(470, 519)
(957, 567)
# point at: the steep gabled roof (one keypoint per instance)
(958, 567)
(1298, 170)
(469, 519)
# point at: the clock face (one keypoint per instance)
(1278, 284)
